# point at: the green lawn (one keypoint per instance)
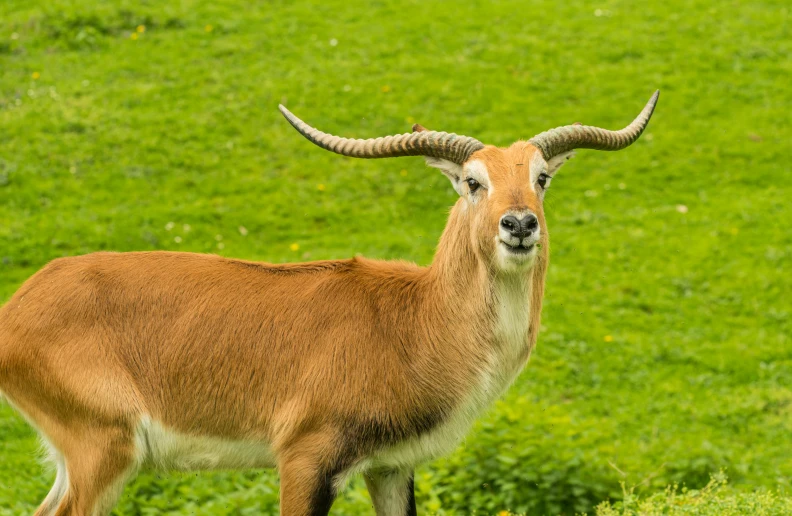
(666, 347)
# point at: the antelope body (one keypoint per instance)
(321, 369)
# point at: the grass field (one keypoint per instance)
(666, 347)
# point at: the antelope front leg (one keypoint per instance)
(392, 491)
(309, 468)
(305, 489)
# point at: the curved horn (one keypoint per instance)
(564, 139)
(425, 143)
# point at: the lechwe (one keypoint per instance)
(322, 369)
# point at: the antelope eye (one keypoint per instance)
(472, 184)
(542, 180)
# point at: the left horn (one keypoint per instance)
(564, 139)
(435, 144)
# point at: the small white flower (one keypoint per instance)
(243, 230)
(14, 35)
(681, 208)
(219, 238)
(178, 240)
(220, 245)
(622, 186)
(333, 42)
(169, 226)
(186, 228)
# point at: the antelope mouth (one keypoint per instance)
(518, 249)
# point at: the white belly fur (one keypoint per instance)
(163, 448)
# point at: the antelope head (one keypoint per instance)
(501, 190)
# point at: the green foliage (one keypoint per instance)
(711, 500)
(665, 350)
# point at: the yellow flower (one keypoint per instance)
(734, 231)
(320, 187)
(295, 247)
(385, 89)
(133, 35)
(36, 76)
(141, 28)
(504, 513)
(403, 172)
(608, 338)
(208, 28)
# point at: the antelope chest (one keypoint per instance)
(508, 354)
(512, 326)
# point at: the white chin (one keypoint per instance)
(511, 257)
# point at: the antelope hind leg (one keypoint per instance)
(98, 465)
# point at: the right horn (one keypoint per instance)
(569, 137)
(434, 144)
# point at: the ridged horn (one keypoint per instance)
(435, 144)
(566, 138)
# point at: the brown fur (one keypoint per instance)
(326, 361)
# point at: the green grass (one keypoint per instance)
(665, 352)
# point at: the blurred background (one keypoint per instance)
(665, 353)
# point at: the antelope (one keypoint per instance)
(325, 369)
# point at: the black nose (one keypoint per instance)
(520, 228)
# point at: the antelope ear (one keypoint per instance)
(555, 162)
(450, 169)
